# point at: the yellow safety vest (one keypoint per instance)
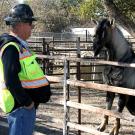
(31, 76)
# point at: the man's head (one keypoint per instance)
(21, 18)
(20, 13)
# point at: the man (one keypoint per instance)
(22, 78)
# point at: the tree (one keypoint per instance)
(52, 16)
(90, 9)
(86, 10)
(124, 13)
(56, 15)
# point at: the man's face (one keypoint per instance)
(26, 29)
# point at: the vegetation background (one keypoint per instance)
(61, 15)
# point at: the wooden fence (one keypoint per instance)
(45, 53)
(61, 51)
(67, 103)
(69, 48)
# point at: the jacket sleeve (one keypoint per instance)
(12, 67)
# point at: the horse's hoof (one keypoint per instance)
(101, 129)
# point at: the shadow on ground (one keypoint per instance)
(42, 129)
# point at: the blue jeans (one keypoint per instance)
(21, 121)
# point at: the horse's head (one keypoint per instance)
(102, 35)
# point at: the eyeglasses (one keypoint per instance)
(31, 24)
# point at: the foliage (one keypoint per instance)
(55, 23)
(50, 14)
(56, 15)
(82, 11)
(127, 7)
(90, 9)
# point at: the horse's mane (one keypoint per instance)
(100, 25)
(105, 23)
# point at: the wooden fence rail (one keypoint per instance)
(96, 86)
(102, 87)
(83, 60)
(99, 110)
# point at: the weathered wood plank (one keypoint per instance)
(102, 87)
(88, 60)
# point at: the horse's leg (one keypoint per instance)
(121, 104)
(109, 100)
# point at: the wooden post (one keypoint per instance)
(78, 78)
(68, 94)
(86, 35)
(65, 98)
(53, 42)
(47, 61)
(52, 53)
(44, 53)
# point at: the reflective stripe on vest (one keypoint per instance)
(25, 54)
(34, 83)
(31, 75)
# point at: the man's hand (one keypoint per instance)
(30, 106)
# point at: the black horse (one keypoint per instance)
(108, 36)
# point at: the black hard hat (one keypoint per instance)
(20, 13)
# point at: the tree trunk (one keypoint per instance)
(120, 18)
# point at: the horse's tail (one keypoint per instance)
(131, 105)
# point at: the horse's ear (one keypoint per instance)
(112, 22)
(95, 22)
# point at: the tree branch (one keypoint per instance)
(120, 18)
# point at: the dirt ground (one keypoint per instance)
(48, 115)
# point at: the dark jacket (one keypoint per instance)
(11, 65)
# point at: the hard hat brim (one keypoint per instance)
(10, 19)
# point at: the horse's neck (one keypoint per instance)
(119, 46)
